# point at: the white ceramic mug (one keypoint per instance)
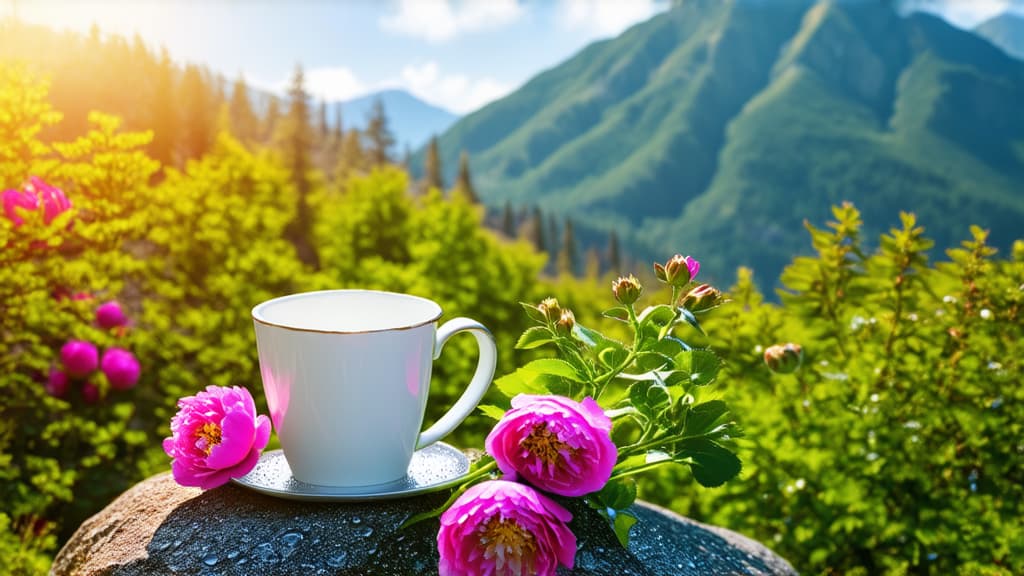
(346, 374)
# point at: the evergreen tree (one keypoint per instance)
(339, 127)
(552, 236)
(614, 257)
(464, 184)
(352, 158)
(407, 158)
(324, 127)
(164, 114)
(508, 220)
(568, 258)
(378, 136)
(244, 124)
(432, 166)
(296, 140)
(593, 264)
(270, 120)
(195, 99)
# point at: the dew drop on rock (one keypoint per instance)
(338, 560)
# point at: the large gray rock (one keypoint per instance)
(158, 527)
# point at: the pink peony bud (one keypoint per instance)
(109, 315)
(678, 271)
(121, 368)
(216, 436)
(80, 358)
(627, 289)
(90, 393)
(57, 383)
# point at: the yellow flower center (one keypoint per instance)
(211, 433)
(544, 444)
(510, 545)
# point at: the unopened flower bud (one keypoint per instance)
(784, 358)
(550, 309)
(678, 271)
(79, 357)
(90, 393)
(565, 323)
(701, 298)
(627, 290)
(57, 383)
(110, 315)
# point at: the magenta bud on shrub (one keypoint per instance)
(121, 368)
(784, 358)
(678, 271)
(90, 393)
(57, 383)
(79, 357)
(110, 315)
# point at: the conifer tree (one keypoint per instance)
(324, 127)
(508, 220)
(270, 119)
(195, 99)
(568, 259)
(432, 166)
(164, 114)
(339, 126)
(352, 158)
(378, 136)
(464, 184)
(592, 266)
(614, 257)
(552, 236)
(244, 124)
(296, 141)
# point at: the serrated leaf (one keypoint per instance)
(704, 418)
(594, 339)
(712, 465)
(657, 315)
(534, 337)
(533, 313)
(648, 361)
(618, 313)
(560, 386)
(650, 398)
(612, 357)
(555, 367)
(492, 411)
(690, 319)
(701, 365)
(617, 494)
(519, 382)
(623, 523)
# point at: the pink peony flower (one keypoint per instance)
(502, 528)
(15, 199)
(90, 393)
(215, 436)
(79, 357)
(57, 383)
(109, 315)
(556, 444)
(54, 201)
(121, 368)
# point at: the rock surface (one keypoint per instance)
(158, 527)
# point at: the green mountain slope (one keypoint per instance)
(1006, 31)
(718, 127)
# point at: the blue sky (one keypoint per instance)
(457, 54)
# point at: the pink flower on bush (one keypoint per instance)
(502, 528)
(121, 368)
(110, 315)
(57, 383)
(80, 358)
(556, 444)
(53, 200)
(215, 436)
(90, 393)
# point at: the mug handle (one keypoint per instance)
(477, 386)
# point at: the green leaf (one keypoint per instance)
(711, 463)
(703, 418)
(691, 320)
(650, 398)
(618, 313)
(617, 494)
(623, 523)
(534, 337)
(594, 339)
(657, 315)
(492, 411)
(555, 367)
(560, 386)
(519, 382)
(612, 357)
(647, 361)
(701, 365)
(533, 313)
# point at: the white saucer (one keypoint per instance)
(435, 467)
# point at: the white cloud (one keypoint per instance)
(440, 20)
(607, 17)
(338, 83)
(456, 92)
(966, 13)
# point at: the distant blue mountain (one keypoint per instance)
(412, 121)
